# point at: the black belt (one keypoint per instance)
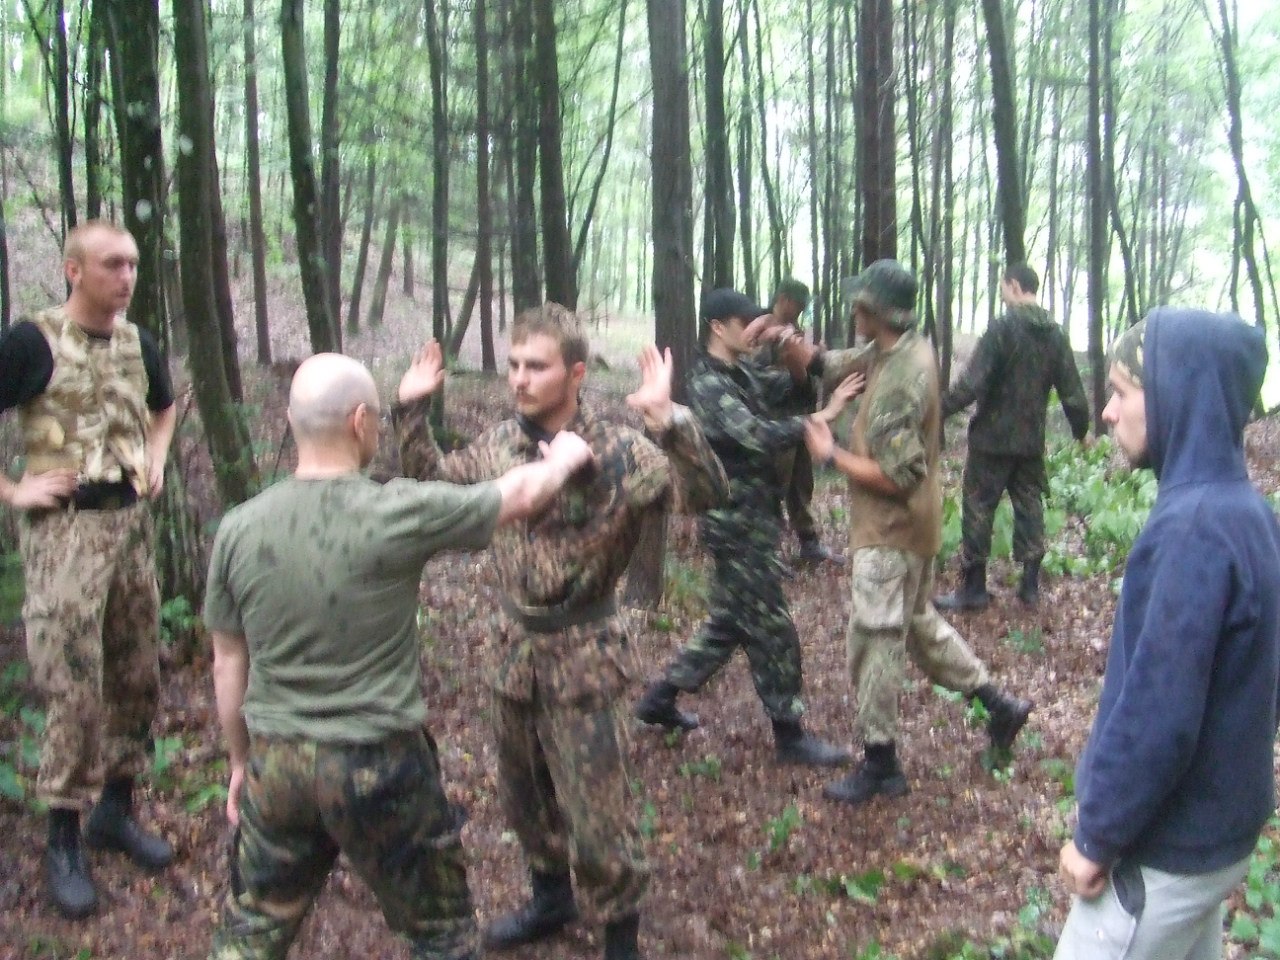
(555, 619)
(103, 495)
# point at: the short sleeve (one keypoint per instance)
(26, 365)
(159, 385)
(221, 611)
(431, 516)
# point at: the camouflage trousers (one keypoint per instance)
(92, 613)
(986, 477)
(564, 782)
(747, 609)
(893, 617)
(381, 804)
(795, 467)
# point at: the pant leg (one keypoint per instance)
(586, 753)
(526, 791)
(130, 646)
(282, 854)
(985, 478)
(385, 805)
(1181, 919)
(769, 634)
(800, 496)
(933, 644)
(1027, 487)
(67, 560)
(876, 639)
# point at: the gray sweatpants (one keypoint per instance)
(1181, 918)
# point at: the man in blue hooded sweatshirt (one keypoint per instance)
(1176, 780)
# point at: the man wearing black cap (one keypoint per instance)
(747, 606)
(896, 514)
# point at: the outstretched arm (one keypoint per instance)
(528, 488)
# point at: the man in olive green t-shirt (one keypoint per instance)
(312, 601)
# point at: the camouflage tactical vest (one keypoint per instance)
(92, 417)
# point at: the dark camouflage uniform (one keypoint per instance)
(384, 806)
(1018, 360)
(747, 606)
(564, 782)
(795, 466)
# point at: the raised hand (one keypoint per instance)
(762, 329)
(795, 352)
(43, 491)
(425, 374)
(846, 390)
(653, 398)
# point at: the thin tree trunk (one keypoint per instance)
(366, 236)
(330, 162)
(93, 116)
(378, 302)
(1098, 239)
(257, 239)
(718, 228)
(877, 161)
(557, 248)
(1013, 216)
(526, 281)
(484, 215)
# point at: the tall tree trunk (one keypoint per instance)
(61, 80)
(526, 280)
(484, 215)
(821, 297)
(366, 236)
(1009, 198)
(557, 248)
(197, 180)
(877, 161)
(253, 172)
(378, 302)
(779, 254)
(302, 166)
(330, 164)
(1098, 238)
(745, 205)
(407, 246)
(93, 115)
(718, 227)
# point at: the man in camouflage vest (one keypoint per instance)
(1020, 358)
(561, 654)
(895, 508)
(735, 401)
(96, 407)
(312, 604)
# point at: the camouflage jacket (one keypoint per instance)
(1019, 359)
(735, 404)
(573, 554)
(768, 359)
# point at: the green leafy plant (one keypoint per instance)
(1026, 641)
(178, 620)
(780, 828)
(1256, 924)
(708, 767)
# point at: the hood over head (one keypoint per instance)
(1201, 373)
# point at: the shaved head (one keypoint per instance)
(326, 390)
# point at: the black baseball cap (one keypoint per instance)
(722, 303)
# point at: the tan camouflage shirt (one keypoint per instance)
(574, 553)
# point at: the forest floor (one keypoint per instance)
(749, 861)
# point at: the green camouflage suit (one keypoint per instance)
(1018, 360)
(560, 655)
(748, 608)
(795, 466)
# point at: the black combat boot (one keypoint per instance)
(814, 551)
(549, 909)
(620, 939)
(972, 594)
(658, 707)
(112, 827)
(878, 773)
(1029, 588)
(795, 745)
(1005, 714)
(65, 869)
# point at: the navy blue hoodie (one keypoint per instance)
(1178, 771)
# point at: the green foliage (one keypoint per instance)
(178, 620)
(11, 587)
(1256, 924)
(709, 767)
(872, 951)
(19, 763)
(1025, 942)
(47, 947)
(1026, 641)
(685, 589)
(779, 829)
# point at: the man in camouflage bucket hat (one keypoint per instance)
(896, 530)
(97, 414)
(1020, 359)
(560, 654)
(312, 603)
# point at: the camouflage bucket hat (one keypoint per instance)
(1126, 352)
(885, 286)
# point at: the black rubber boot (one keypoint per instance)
(972, 594)
(621, 939)
(878, 774)
(1005, 714)
(112, 827)
(1029, 588)
(66, 872)
(549, 909)
(814, 551)
(795, 745)
(658, 707)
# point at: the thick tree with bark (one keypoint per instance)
(557, 247)
(484, 213)
(1004, 125)
(877, 159)
(330, 165)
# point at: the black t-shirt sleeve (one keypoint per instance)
(159, 386)
(26, 365)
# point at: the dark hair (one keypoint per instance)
(1024, 276)
(793, 290)
(556, 322)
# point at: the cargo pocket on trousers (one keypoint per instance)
(879, 600)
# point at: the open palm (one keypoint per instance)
(653, 398)
(425, 374)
